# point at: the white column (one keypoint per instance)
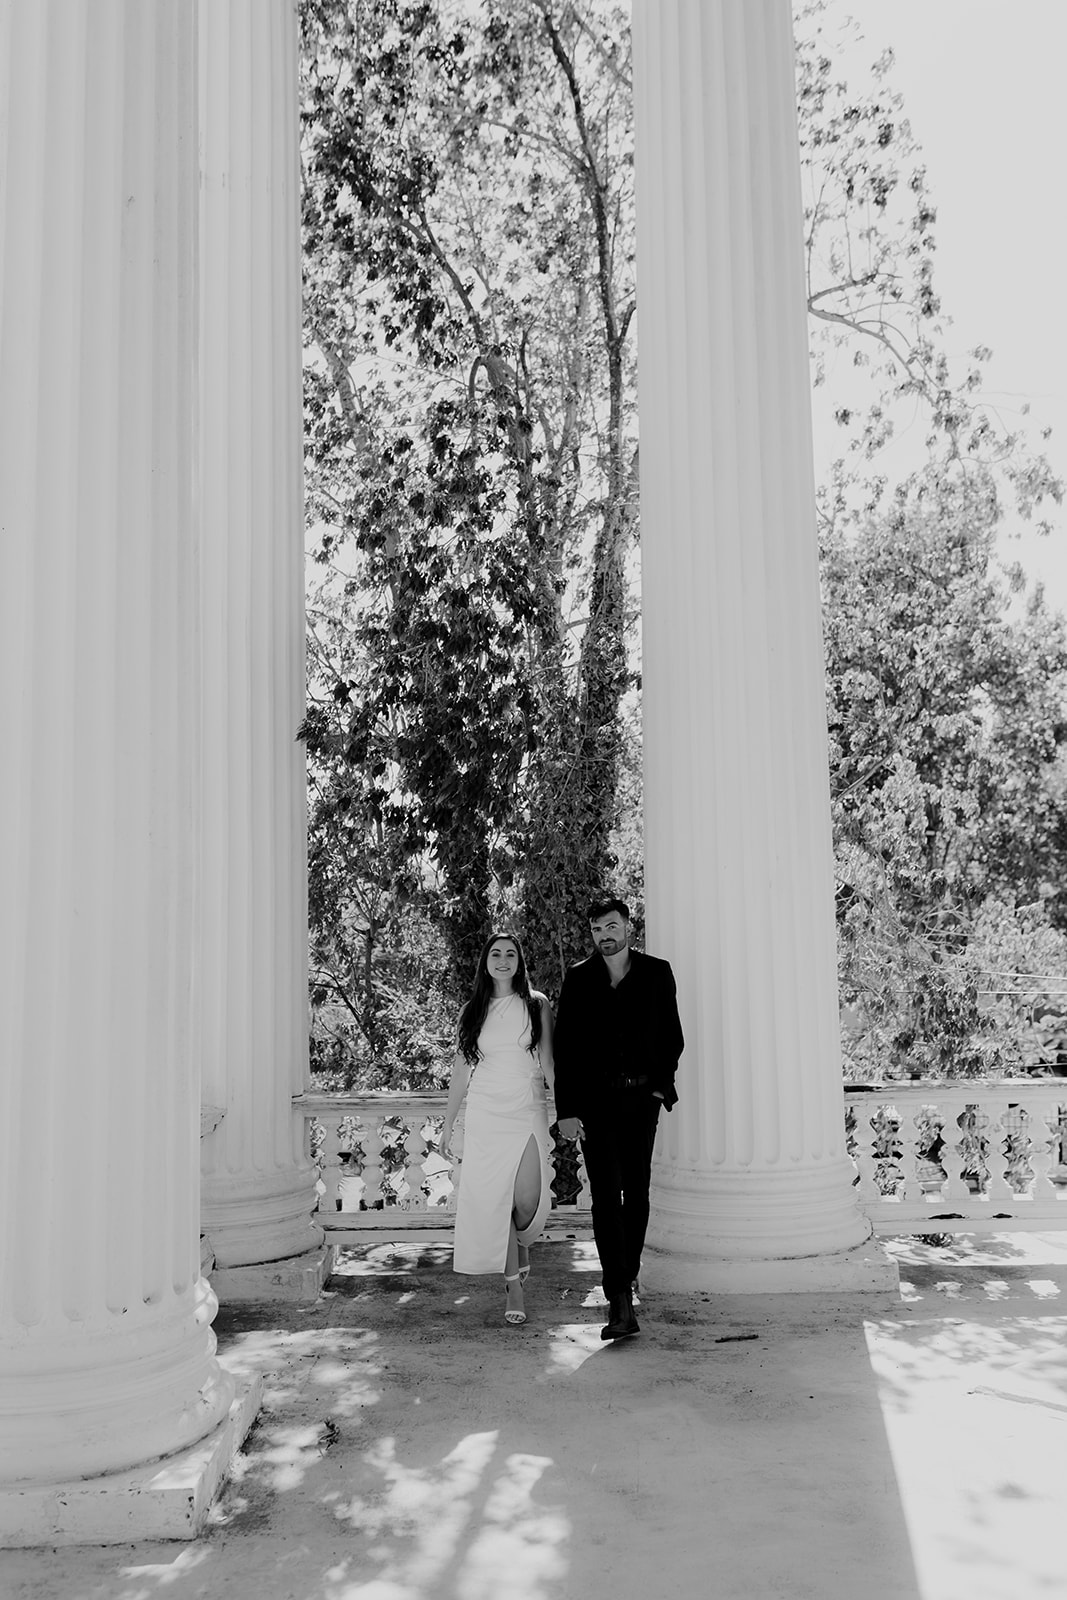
(258, 1184)
(106, 1349)
(752, 1173)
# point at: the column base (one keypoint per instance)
(250, 1217)
(296, 1278)
(865, 1269)
(163, 1499)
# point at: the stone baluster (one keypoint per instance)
(753, 1184)
(371, 1133)
(258, 1185)
(583, 1199)
(330, 1161)
(1002, 1131)
(106, 1349)
(865, 1159)
(957, 1129)
(1042, 1126)
(353, 1185)
(415, 1151)
(910, 1189)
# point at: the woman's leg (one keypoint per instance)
(524, 1202)
(527, 1196)
(512, 1286)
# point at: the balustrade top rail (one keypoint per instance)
(931, 1156)
(959, 1091)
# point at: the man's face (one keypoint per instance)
(611, 934)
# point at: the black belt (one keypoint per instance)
(639, 1080)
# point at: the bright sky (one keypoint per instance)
(985, 89)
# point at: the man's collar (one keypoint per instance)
(597, 961)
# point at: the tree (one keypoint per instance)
(948, 722)
(471, 463)
(870, 250)
(472, 473)
(945, 704)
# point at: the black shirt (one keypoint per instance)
(603, 1034)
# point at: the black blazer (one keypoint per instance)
(590, 1050)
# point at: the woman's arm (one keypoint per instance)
(457, 1088)
(544, 1045)
(564, 1033)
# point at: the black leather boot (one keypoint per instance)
(621, 1320)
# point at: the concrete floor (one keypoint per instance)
(413, 1448)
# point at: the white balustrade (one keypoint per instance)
(381, 1170)
(930, 1157)
(961, 1157)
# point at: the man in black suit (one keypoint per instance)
(616, 1045)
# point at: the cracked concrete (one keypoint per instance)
(411, 1447)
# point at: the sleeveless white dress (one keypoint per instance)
(506, 1104)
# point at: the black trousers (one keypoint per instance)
(618, 1161)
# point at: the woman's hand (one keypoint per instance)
(445, 1145)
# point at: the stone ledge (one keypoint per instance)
(165, 1499)
(866, 1269)
(293, 1279)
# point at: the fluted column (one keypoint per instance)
(258, 1185)
(752, 1173)
(106, 1350)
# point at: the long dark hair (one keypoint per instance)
(474, 1012)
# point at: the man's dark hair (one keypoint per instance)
(604, 908)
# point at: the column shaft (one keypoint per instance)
(739, 861)
(258, 1185)
(106, 1350)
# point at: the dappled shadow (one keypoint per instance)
(475, 1521)
(413, 1448)
(975, 1406)
(916, 1360)
(737, 1449)
(1026, 1275)
(969, 1248)
(410, 1447)
(391, 1258)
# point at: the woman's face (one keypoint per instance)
(502, 962)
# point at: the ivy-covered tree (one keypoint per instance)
(471, 460)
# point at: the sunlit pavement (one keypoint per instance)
(413, 1448)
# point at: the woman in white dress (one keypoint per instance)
(502, 1066)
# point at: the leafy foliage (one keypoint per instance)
(945, 684)
(947, 722)
(472, 487)
(471, 466)
(870, 221)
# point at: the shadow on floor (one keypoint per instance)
(411, 1447)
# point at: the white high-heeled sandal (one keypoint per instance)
(514, 1318)
(524, 1272)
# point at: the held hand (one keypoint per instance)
(570, 1128)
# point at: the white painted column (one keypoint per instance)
(753, 1185)
(106, 1349)
(258, 1184)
